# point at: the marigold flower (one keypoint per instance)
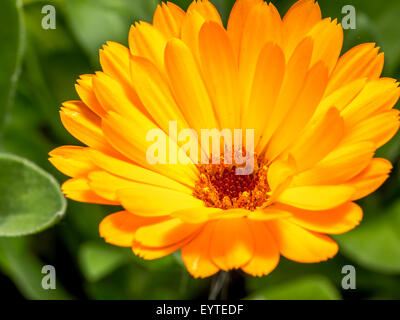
(318, 118)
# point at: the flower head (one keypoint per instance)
(317, 119)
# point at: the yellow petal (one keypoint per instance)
(83, 124)
(129, 137)
(134, 172)
(73, 161)
(196, 215)
(107, 185)
(146, 200)
(316, 197)
(78, 189)
(84, 88)
(279, 171)
(268, 213)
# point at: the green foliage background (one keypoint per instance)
(38, 69)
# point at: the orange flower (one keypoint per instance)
(317, 119)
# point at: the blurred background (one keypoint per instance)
(48, 63)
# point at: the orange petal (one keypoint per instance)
(237, 21)
(341, 97)
(266, 86)
(165, 233)
(188, 86)
(328, 41)
(114, 97)
(148, 253)
(266, 252)
(232, 243)
(155, 93)
(196, 254)
(296, 72)
(220, 69)
(371, 178)
(362, 61)
(301, 112)
(149, 42)
(339, 166)
(119, 228)
(168, 19)
(263, 25)
(370, 100)
(378, 129)
(334, 221)
(300, 245)
(309, 149)
(206, 9)
(114, 60)
(298, 21)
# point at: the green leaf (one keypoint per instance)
(30, 199)
(94, 22)
(12, 37)
(375, 243)
(25, 270)
(307, 288)
(97, 260)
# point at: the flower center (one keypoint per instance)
(219, 186)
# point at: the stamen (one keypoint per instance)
(219, 186)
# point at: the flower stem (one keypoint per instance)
(219, 286)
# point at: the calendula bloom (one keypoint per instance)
(318, 119)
